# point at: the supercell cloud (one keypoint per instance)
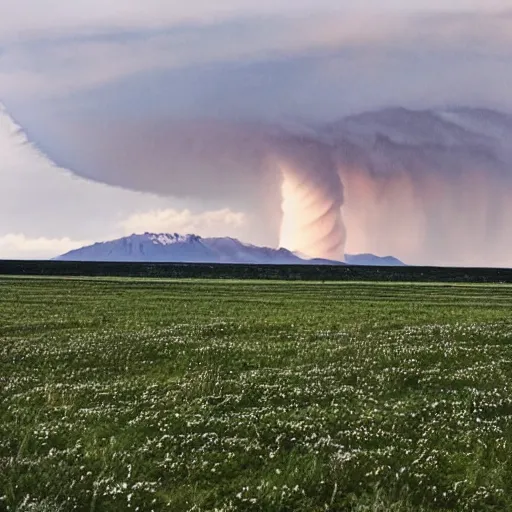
(297, 125)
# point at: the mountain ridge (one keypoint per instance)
(190, 248)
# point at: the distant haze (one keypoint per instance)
(243, 118)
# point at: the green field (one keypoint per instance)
(198, 395)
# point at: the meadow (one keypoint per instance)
(218, 395)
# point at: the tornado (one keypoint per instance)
(311, 200)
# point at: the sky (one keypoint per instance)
(134, 70)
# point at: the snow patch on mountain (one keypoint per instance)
(169, 239)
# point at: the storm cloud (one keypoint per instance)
(250, 109)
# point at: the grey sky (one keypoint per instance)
(288, 65)
(28, 17)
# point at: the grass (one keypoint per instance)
(221, 395)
